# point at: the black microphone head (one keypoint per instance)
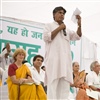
(64, 32)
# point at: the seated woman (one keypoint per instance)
(82, 95)
(79, 82)
(19, 77)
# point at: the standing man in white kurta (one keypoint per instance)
(58, 55)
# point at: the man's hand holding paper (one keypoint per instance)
(76, 16)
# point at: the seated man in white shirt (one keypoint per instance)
(93, 78)
(36, 71)
(5, 59)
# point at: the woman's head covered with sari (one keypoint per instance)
(79, 76)
(19, 51)
(75, 66)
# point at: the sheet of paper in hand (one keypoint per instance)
(29, 83)
(76, 12)
(92, 94)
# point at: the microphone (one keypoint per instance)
(64, 32)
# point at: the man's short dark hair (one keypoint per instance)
(38, 56)
(42, 67)
(3, 48)
(25, 61)
(59, 8)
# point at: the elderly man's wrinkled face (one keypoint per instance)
(97, 67)
(59, 16)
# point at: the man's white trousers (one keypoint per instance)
(58, 90)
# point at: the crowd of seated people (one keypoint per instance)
(28, 79)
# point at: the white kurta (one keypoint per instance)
(37, 77)
(58, 59)
(5, 62)
(93, 79)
